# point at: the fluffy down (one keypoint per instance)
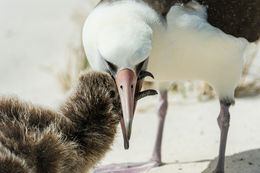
(71, 140)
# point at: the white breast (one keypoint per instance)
(193, 49)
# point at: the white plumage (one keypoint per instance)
(193, 49)
(126, 33)
(122, 36)
(121, 33)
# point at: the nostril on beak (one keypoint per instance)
(132, 86)
(121, 86)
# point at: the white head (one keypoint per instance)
(125, 46)
(118, 39)
(125, 50)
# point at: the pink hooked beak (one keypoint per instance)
(126, 81)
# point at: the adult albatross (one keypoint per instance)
(203, 40)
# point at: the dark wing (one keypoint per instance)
(161, 6)
(240, 18)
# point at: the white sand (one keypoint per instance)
(192, 135)
(38, 34)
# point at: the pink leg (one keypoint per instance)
(223, 122)
(162, 110)
(156, 157)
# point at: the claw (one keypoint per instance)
(145, 93)
(144, 74)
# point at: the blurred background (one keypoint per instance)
(40, 46)
(41, 56)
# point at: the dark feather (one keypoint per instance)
(240, 18)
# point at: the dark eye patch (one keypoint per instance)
(139, 67)
(111, 66)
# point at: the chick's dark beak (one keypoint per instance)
(126, 83)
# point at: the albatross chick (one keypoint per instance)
(73, 139)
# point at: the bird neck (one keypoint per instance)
(87, 110)
(92, 123)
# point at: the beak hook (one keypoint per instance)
(129, 87)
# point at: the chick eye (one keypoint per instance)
(112, 94)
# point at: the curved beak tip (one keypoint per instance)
(126, 144)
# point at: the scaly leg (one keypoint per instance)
(223, 122)
(162, 110)
(156, 157)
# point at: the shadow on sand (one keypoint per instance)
(244, 162)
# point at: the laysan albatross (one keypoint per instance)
(175, 40)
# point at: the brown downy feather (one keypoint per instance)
(72, 140)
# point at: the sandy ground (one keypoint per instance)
(191, 137)
(37, 35)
